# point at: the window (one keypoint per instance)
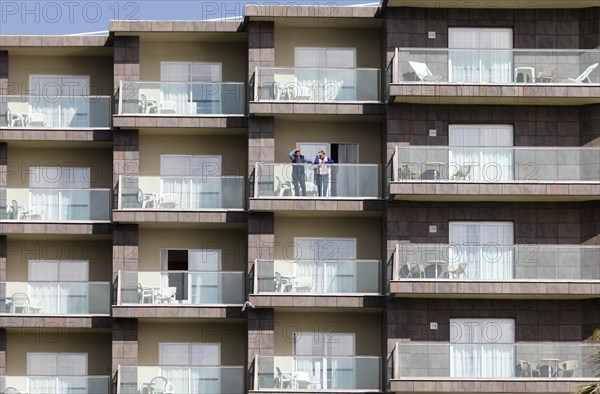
(193, 181)
(202, 284)
(60, 286)
(193, 86)
(187, 366)
(329, 264)
(57, 98)
(326, 359)
(487, 148)
(480, 55)
(60, 193)
(486, 247)
(331, 69)
(482, 348)
(52, 373)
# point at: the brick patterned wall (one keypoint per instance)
(126, 154)
(124, 343)
(261, 329)
(261, 45)
(533, 125)
(261, 141)
(591, 318)
(590, 223)
(125, 248)
(261, 236)
(536, 320)
(532, 28)
(126, 60)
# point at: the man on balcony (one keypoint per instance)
(298, 173)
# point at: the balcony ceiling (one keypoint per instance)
(59, 51)
(60, 237)
(187, 36)
(523, 4)
(336, 23)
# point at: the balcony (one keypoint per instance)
(55, 112)
(180, 288)
(55, 298)
(495, 173)
(510, 271)
(323, 277)
(471, 76)
(178, 379)
(181, 99)
(28, 205)
(498, 367)
(316, 374)
(55, 384)
(181, 193)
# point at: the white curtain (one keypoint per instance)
(482, 348)
(487, 148)
(192, 86)
(206, 285)
(486, 247)
(53, 373)
(196, 180)
(328, 262)
(51, 283)
(59, 98)
(191, 367)
(480, 55)
(323, 68)
(61, 192)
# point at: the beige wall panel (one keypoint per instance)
(21, 159)
(230, 336)
(232, 244)
(366, 41)
(96, 344)
(232, 55)
(366, 327)
(367, 232)
(98, 68)
(98, 253)
(232, 150)
(289, 133)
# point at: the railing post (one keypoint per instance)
(256, 175)
(395, 71)
(118, 388)
(119, 288)
(395, 164)
(119, 193)
(255, 372)
(255, 278)
(256, 82)
(120, 109)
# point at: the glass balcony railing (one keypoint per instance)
(54, 205)
(497, 262)
(55, 384)
(312, 374)
(55, 112)
(500, 66)
(181, 193)
(55, 298)
(317, 84)
(317, 277)
(181, 98)
(181, 380)
(302, 180)
(189, 288)
(425, 360)
(496, 164)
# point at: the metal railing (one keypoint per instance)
(55, 112)
(289, 84)
(188, 288)
(496, 164)
(181, 193)
(220, 379)
(525, 262)
(462, 361)
(54, 205)
(181, 98)
(501, 66)
(310, 374)
(287, 180)
(317, 277)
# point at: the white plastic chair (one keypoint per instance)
(37, 119)
(167, 296)
(463, 172)
(423, 73)
(302, 283)
(168, 200)
(584, 75)
(166, 107)
(302, 379)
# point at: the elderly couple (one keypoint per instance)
(321, 172)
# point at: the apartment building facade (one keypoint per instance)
(156, 236)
